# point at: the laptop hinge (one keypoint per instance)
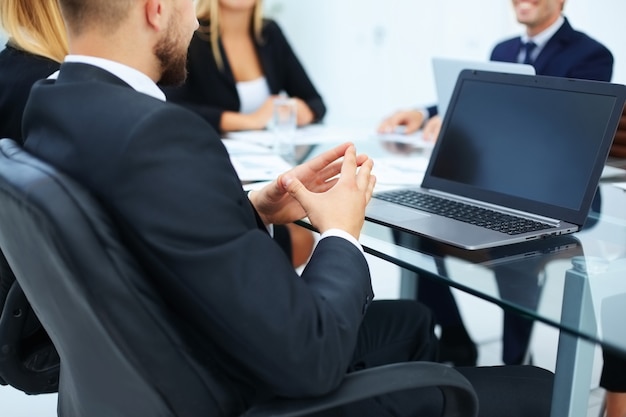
(502, 209)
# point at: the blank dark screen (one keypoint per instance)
(534, 143)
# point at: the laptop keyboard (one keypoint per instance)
(467, 213)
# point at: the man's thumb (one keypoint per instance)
(294, 187)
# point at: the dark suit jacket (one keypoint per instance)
(210, 91)
(18, 72)
(568, 53)
(165, 177)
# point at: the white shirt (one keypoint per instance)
(144, 84)
(135, 78)
(540, 40)
(252, 94)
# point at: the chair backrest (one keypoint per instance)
(28, 359)
(121, 353)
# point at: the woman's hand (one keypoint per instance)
(304, 114)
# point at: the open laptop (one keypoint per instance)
(447, 70)
(531, 147)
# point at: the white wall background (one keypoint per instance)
(370, 57)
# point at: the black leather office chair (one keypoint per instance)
(28, 359)
(121, 355)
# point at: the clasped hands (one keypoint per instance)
(332, 190)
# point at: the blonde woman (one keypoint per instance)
(238, 62)
(36, 47)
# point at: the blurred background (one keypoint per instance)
(369, 57)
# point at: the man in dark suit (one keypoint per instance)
(166, 179)
(556, 48)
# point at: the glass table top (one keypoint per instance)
(585, 270)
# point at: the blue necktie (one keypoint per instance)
(528, 48)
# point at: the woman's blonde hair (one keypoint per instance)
(208, 11)
(35, 26)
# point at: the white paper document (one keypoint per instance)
(237, 147)
(400, 170)
(414, 139)
(612, 172)
(621, 185)
(259, 167)
(309, 135)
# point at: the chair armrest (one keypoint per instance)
(459, 397)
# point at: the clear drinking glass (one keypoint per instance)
(284, 126)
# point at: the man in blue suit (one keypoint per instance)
(554, 48)
(558, 49)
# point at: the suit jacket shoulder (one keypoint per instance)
(569, 53)
(573, 54)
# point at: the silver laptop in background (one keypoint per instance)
(447, 70)
(530, 147)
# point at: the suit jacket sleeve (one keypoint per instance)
(232, 281)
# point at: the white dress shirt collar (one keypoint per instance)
(542, 38)
(136, 79)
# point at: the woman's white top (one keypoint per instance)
(252, 94)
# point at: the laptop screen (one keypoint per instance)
(531, 143)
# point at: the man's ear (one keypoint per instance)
(154, 10)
